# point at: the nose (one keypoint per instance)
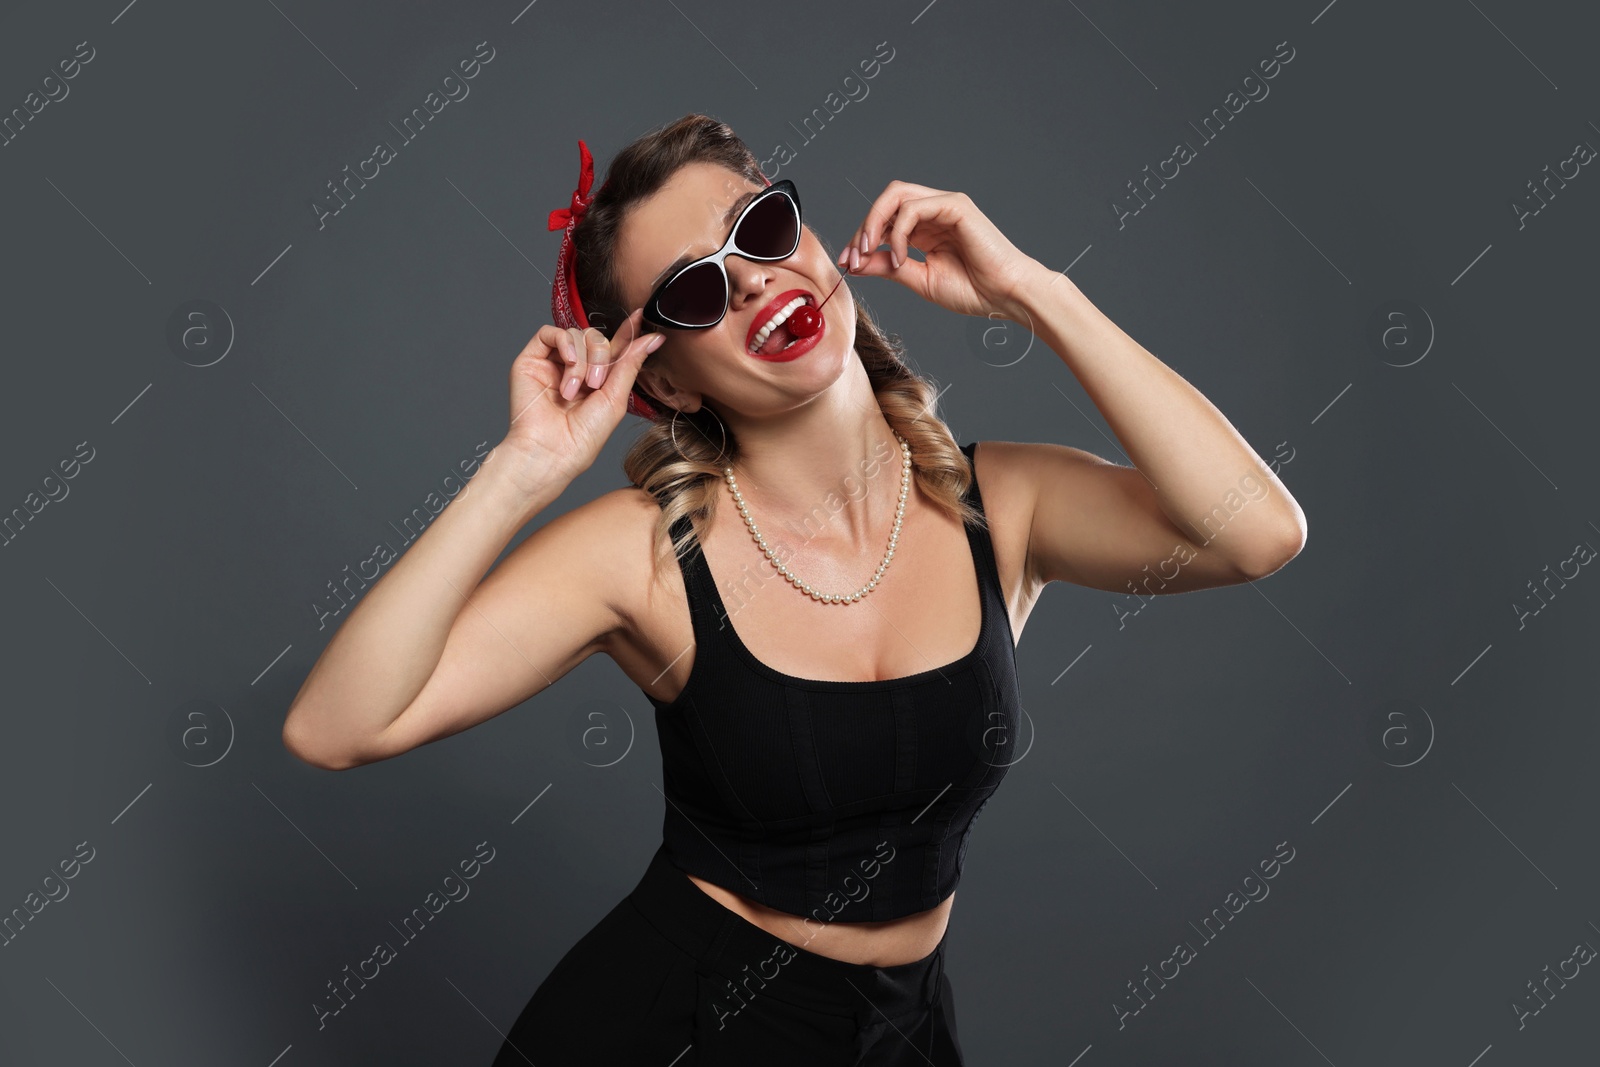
(747, 279)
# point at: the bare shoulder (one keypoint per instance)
(644, 591)
(1006, 481)
(618, 529)
(614, 516)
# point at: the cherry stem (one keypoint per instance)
(831, 291)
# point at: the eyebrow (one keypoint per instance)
(727, 220)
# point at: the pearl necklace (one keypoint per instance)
(804, 587)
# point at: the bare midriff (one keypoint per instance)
(877, 944)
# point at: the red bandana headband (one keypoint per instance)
(565, 307)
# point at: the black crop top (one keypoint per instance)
(847, 800)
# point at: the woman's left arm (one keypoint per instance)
(1198, 498)
(1198, 494)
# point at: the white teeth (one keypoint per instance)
(772, 324)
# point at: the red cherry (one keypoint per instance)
(805, 321)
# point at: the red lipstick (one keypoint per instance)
(805, 324)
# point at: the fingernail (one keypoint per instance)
(894, 257)
(855, 258)
(596, 372)
(655, 342)
(864, 248)
(569, 388)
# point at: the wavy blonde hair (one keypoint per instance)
(681, 466)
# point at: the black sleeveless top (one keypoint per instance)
(835, 799)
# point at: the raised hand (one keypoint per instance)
(970, 267)
(569, 389)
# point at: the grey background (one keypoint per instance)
(369, 358)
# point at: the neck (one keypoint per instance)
(828, 473)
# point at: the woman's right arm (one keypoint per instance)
(429, 651)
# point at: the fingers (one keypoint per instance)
(869, 234)
(891, 261)
(933, 213)
(550, 339)
(910, 272)
(588, 357)
(860, 255)
(631, 330)
(573, 354)
(905, 220)
(535, 371)
(585, 354)
(624, 368)
(597, 354)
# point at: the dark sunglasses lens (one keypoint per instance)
(770, 229)
(696, 297)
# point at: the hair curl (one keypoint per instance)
(684, 476)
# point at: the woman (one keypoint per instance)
(819, 791)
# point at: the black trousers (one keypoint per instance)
(671, 978)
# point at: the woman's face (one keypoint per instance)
(687, 219)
